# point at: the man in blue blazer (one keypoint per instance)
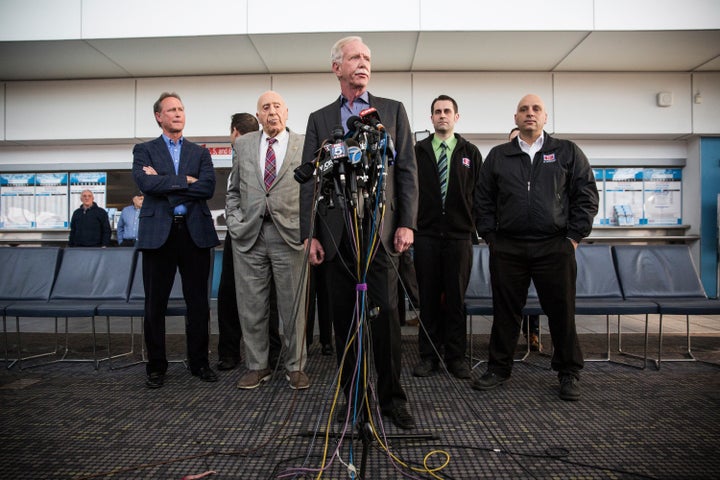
(176, 232)
(331, 242)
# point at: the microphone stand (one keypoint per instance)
(365, 427)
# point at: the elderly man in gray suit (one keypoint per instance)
(263, 221)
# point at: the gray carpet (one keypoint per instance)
(68, 421)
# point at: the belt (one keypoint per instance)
(178, 218)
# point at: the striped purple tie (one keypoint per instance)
(270, 172)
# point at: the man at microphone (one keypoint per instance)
(330, 243)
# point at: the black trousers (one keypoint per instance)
(382, 280)
(230, 333)
(159, 266)
(318, 293)
(443, 272)
(551, 265)
(408, 284)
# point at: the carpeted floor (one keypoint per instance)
(69, 421)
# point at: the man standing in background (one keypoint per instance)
(448, 173)
(176, 233)
(230, 333)
(90, 225)
(127, 226)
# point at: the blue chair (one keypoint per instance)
(27, 274)
(665, 275)
(134, 306)
(86, 277)
(478, 296)
(598, 292)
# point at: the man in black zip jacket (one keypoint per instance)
(537, 200)
(448, 174)
(90, 224)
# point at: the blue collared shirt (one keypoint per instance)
(128, 224)
(347, 111)
(174, 148)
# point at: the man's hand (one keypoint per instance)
(404, 238)
(317, 254)
(190, 180)
(149, 170)
(574, 243)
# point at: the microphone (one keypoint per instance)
(355, 124)
(322, 166)
(370, 116)
(354, 152)
(304, 172)
(338, 151)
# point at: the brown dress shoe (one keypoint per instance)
(253, 378)
(298, 380)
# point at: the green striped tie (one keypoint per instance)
(443, 170)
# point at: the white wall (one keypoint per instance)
(706, 115)
(621, 103)
(76, 19)
(580, 105)
(70, 110)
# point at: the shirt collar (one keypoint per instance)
(450, 142)
(538, 143)
(280, 137)
(168, 141)
(363, 99)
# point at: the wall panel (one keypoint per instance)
(621, 103)
(69, 110)
(486, 101)
(162, 18)
(706, 116)
(209, 102)
(40, 19)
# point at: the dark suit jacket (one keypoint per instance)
(401, 183)
(166, 190)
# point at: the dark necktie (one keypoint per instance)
(443, 170)
(270, 172)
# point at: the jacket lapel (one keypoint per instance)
(294, 149)
(163, 155)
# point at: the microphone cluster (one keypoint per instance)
(352, 166)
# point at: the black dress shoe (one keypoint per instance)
(488, 381)
(327, 349)
(400, 417)
(227, 364)
(569, 388)
(205, 374)
(155, 380)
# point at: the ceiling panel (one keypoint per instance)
(51, 60)
(493, 51)
(669, 51)
(711, 66)
(310, 53)
(218, 55)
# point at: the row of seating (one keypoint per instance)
(51, 282)
(617, 280)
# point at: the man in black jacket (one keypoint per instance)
(448, 174)
(537, 200)
(90, 225)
